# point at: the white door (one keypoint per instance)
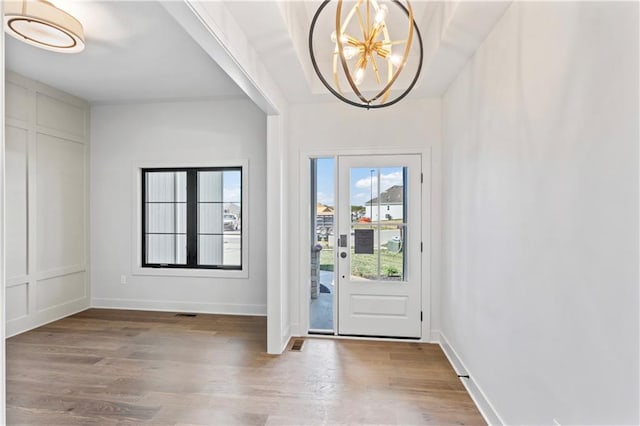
(379, 245)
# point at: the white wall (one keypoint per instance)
(180, 133)
(278, 322)
(411, 126)
(540, 299)
(47, 151)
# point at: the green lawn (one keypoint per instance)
(365, 265)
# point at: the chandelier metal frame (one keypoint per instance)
(366, 49)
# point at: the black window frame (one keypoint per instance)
(192, 217)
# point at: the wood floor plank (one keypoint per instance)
(24, 416)
(119, 367)
(84, 407)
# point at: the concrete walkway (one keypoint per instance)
(321, 309)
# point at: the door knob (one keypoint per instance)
(343, 254)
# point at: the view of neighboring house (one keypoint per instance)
(390, 205)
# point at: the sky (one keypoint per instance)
(232, 192)
(361, 182)
(325, 182)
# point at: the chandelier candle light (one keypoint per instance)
(41, 24)
(362, 39)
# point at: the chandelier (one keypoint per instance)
(369, 50)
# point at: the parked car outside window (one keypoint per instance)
(231, 222)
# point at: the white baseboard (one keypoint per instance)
(38, 319)
(485, 407)
(191, 307)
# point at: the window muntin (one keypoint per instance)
(185, 215)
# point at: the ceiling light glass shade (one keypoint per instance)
(41, 24)
(367, 53)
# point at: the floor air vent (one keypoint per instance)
(187, 315)
(297, 345)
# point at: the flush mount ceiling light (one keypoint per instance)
(373, 43)
(41, 24)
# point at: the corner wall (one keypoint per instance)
(3, 299)
(179, 134)
(540, 300)
(47, 152)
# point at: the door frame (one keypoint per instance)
(303, 243)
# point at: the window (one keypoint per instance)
(192, 218)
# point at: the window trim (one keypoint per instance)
(138, 267)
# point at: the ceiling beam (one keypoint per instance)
(212, 26)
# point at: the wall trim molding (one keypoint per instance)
(17, 281)
(27, 323)
(48, 120)
(172, 306)
(479, 397)
(215, 98)
(60, 272)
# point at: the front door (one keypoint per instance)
(379, 245)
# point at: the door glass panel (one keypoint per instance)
(321, 302)
(378, 204)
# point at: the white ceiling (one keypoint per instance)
(263, 25)
(451, 32)
(282, 41)
(135, 51)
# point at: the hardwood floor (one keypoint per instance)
(115, 367)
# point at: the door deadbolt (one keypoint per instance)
(343, 254)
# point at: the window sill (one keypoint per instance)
(191, 273)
